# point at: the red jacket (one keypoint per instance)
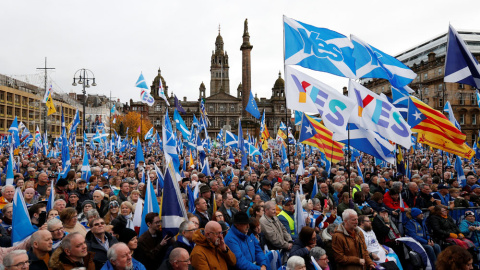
(390, 203)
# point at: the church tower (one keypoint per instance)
(219, 79)
(246, 68)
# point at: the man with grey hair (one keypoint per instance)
(8, 191)
(276, 234)
(348, 244)
(55, 227)
(179, 259)
(101, 203)
(318, 255)
(185, 237)
(120, 258)
(246, 200)
(17, 259)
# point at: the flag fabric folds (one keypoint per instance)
(86, 172)
(161, 92)
(150, 204)
(377, 114)
(145, 96)
(10, 177)
(437, 131)
(252, 107)
(448, 109)
(170, 143)
(173, 209)
(46, 96)
(318, 49)
(14, 131)
(306, 94)
(332, 149)
(460, 64)
(180, 124)
(231, 139)
(460, 174)
(179, 106)
(139, 154)
(370, 62)
(21, 223)
(50, 105)
(299, 217)
(149, 134)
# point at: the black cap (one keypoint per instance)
(241, 218)
(383, 209)
(62, 182)
(265, 183)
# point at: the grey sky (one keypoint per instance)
(119, 39)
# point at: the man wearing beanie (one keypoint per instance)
(416, 229)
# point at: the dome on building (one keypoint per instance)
(158, 77)
(279, 83)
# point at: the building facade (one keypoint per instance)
(223, 108)
(428, 61)
(24, 101)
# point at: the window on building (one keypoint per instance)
(462, 119)
(461, 99)
(474, 119)
(461, 86)
(158, 108)
(222, 108)
(425, 76)
(2, 109)
(2, 95)
(232, 108)
(440, 103)
(282, 108)
(440, 71)
(2, 124)
(9, 97)
(418, 78)
(210, 108)
(440, 87)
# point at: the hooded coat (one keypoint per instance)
(348, 250)
(205, 255)
(246, 249)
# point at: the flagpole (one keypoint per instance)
(349, 163)
(286, 109)
(110, 114)
(443, 99)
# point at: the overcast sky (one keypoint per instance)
(119, 39)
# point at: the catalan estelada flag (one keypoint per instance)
(436, 130)
(332, 149)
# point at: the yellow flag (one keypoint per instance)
(50, 106)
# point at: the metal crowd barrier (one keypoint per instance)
(457, 212)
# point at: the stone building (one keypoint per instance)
(428, 61)
(222, 106)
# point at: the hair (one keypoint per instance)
(397, 185)
(91, 213)
(317, 252)
(347, 213)
(254, 209)
(36, 236)
(377, 196)
(437, 210)
(5, 208)
(197, 200)
(150, 217)
(34, 209)
(127, 203)
(361, 219)
(67, 214)
(8, 259)
(453, 258)
(183, 226)
(295, 261)
(305, 235)
(112, 251)
(279, 199)
(359, 197)
(175, 254)
(5, 187)
(268, 205)
(67, 240)
(254, 222)
(52, 222)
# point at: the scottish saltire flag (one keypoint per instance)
(315, 188)
(14, 131)
(230, 158)
(173, 209)
(161, 92)
(460, 174)
(253, 151)
(160, 178)
(370, 143)
(206, 168)
(150, 204)
(282, 126)
(112, 110)
(38, 139)
(139, 154)
(231, 139)
(241, 144)
(170, 144)
(180, 124)
(448, 109)
(145, 96)
(306, 94)
(200, 149)
(10, 177)
(377, 114)
(220, 136)
(179, 106)
(400, 101)
(359, 170)
(370, 62)
(75, 123)
(478, 98)
(318, 49)
(284, 158)
(86, 172)
(21, 224)
(417, 247)
(298, 117)
(299, 218)
(51, 198)
(460, 64)
(149, 134)
(252, 107)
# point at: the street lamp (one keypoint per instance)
(83, 77)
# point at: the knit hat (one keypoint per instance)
(92, 203)
(204, 189)
(62, 182)
(126, 235)
(469, 213)
(415, 212)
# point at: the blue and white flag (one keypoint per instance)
(231, 139)
(150, 204)
(75, 123)
(86, 171)
(460, 64)
(284, 163)
(145, 96)
(478, 98)
(230, 158)
(377, 114)
(14, 131)
(417, 247)
(149, 134)
(448, 109)
(400, 101)
(318, 49)
(299, 218)
(10, 177)
(253, 151)
(370, 143)
(241, 144)
(161, 92)
(139, 154)
(460, 174)
(180, 124)
(315, 188)
(170, 144)
(359, 171)
(252, 107)
(206, 168)
(21, 223)
(51, 198)
(173, 209)
(160, 178)
(370, 62)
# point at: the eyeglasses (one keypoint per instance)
(217, 216)
(99, 224)
(57, 230)
(20, 264)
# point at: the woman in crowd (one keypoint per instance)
(70, 222)
(129, 237)
(113, 209)
(307, 206)
(257, 211)
(126, 210)
(86, 206)
(256, 229)
(53, 213)
(471, 228)
(295, 263)
(454, 258)
(134, 197)
(307, 239)
(7, 211)
(392, 200)
(347, 203)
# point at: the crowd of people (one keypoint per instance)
(245, 218)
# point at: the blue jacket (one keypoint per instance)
(246, 248)
(417, 231)
(475, 235)
(136, 265)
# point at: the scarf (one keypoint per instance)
(393, 229)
